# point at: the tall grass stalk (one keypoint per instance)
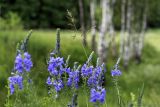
(139, 102)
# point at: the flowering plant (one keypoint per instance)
(22, 66)
(62, 75)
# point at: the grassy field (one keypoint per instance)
(42, 42)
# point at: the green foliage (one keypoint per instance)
(41, 14)
(53, 14)
(153, 13)
(11, 22)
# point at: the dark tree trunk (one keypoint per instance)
(111, 29)
(93, 25)
(80, 2)
(142, 32)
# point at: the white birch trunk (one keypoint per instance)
(103, 44)
(142, 33)
(141, 39)
(123, 27)
(127, 50)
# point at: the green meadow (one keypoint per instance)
(42, 42)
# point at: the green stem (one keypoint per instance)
(8, 96)
(106, 104)
(84, 86)
(118, 92)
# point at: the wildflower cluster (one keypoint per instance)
(73, 79)
(55, 68)
(15, 80)
(22, 64)
(93, 75)
(86, 70)
(95, 80)
(116, 71)
(98, 94)
(97, 76)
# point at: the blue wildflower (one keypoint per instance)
(92, 81)
(68, 70)
(86, 71)
(73, 79)
(98, 71)
(20, 82)
(53, 71)
(49, 81)
(55, 66)
(23, 64)
(56, 61)
(98, 94)
(11, 86)
(96, 77)
(116, 72)
(58, 84)
(15, 80)
(19, 63)
(27, 61)
(59, 61)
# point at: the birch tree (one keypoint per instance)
(126, 55)
(111, 28)
(123, 26)
(142, 23)
(133, 39)
(103, 44)
(93, 24)
(82, 23)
